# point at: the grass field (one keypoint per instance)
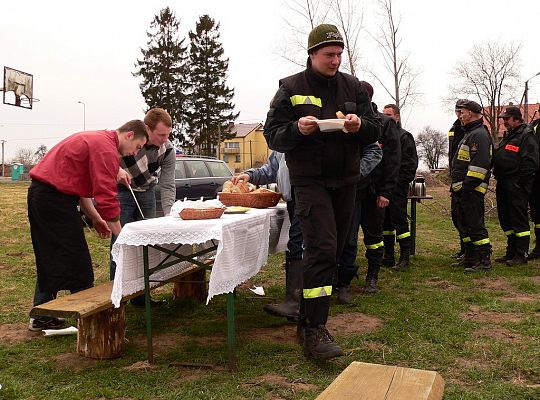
(480, 332)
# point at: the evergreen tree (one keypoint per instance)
(211, 108)
(164, 71)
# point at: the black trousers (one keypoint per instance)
(470, 217)
(512, 204)
(325, 216)
(454, 214)
(395, 216)
(534, 201)
(62, 255)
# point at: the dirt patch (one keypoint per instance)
(162, 342)
(277, 380)
(495, 283)
(499, 334)
(138, 366)
(535, 279)
(520, 298)
(117, 398)
(441, 284)
(346, 324)
(73, 361)
(17, 333)
(467, 363)
(475, 314)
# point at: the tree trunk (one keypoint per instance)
(102, 335)
(192, 286)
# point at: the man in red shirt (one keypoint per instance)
(80, 167)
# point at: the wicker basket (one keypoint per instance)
(254, 200)
(201, 213)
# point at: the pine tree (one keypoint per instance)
(164, 71)
(211, 108)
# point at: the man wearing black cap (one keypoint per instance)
(470, 172)
(534, 199)
(455, 134)
(515, 162)
(323, 168)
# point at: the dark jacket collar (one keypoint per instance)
(473, 125)
(318, 78)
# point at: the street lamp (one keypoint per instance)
(3, 164)
(84, 114)
(526, 97)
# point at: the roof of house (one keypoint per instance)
(242, 130)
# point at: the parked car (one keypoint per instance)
(196, 177)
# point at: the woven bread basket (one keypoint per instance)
(201, 213)
(253, 200)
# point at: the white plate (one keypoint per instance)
(331, 125)
(236, 210)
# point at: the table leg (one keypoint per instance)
(147, 306)
(413, 226)
(231, 338)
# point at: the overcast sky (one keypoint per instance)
(85, 51)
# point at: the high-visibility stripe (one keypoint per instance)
(403, 235)
(481, 242)
(508, 233)
(298, 99)
(466, 239)
(482, 188)
(450, 133)
(476, 175)
(464, 153)
(322, 291)
(477, 172)
(522, 234)
(389, 233)
(537, 225)
(374, 246)
(456, 186)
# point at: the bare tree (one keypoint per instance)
(40, 152)
(306, 14)
(24, 155)
(403, 88)
(489, 74)
(431, 145)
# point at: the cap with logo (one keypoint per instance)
(469, 105)
(324, 35)
(511, 112)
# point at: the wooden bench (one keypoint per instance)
(102, 327)
(363, 381)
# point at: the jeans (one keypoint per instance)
(129, 212)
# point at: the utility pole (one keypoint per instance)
(525, 98)
(3, 164)
(84, 115)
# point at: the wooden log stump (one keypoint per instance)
(191, 286)
(102, 335)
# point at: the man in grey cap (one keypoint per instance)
(324, 168)
(470, 172)
(515, 162)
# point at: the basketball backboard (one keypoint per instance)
(18, 88)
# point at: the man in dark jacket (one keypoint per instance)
(323, 168)
(470, 173)
(514, 164)
(455, 134)
(534, 199)
(396, 225)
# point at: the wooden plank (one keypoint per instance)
(91, 301)
(364, 381)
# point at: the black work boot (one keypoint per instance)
(484, 260)
(510, 250)
(290, 308)
(535, 253)
(389, 257)
(319, 344)
(470, 257)
(404, 253)
(344, 294)
(518, 259)
(371, 284)
(461, 251)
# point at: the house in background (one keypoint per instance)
(248, 149)
(533, 112)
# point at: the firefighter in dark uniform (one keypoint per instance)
(455, 134)
(323, 169)
(514, 164)
(396, 225)
(375, 198)
(534, 200)
(470, 173)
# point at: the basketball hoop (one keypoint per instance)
(18, 88)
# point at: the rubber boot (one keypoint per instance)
(319, 344)
(484, 260)
(510, 249)
(535, 253)
(389, 257)
(372, 278)
(290, 308)
(404, 253)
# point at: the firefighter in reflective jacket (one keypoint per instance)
(514, 164)
(470, 172)
(534, 199)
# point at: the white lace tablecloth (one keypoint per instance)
(244, 241)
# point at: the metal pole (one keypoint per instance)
(84, 114)
(526, 95)
(3, 164)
